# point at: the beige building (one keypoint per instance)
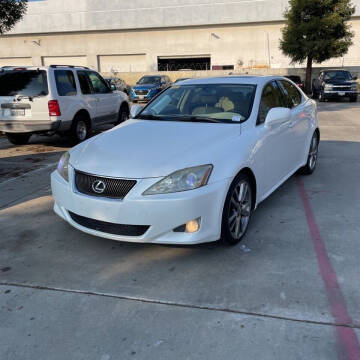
(156, 35)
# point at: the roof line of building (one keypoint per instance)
(186, 27)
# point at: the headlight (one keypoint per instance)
(182, 180)
(354, 87)
(328, 87)
(63, 166)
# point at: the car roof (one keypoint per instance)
(330, 70)
(231, 79)
(46, 67)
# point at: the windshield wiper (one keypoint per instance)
(148, 117)
(204, 119)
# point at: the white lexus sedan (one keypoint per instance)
(193, 165)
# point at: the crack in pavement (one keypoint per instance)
(176, 304)
(29, 173)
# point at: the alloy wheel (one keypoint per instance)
(313, 153)
(81, 130)
(239, 209)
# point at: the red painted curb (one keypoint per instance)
(346, 335)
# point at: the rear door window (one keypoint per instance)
(24, 82)
(84, 81)
(65, 83)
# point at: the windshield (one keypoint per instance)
(211, 103)
(338, 75)
(149, 80)
(25, 83)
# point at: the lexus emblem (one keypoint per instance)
(98, 186)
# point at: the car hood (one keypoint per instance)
(145, 149)
(146, 86)
(340, 82)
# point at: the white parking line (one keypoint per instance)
(28, 173)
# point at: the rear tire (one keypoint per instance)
(237, 210)
(18, 138)
(311, 163)
(79, 129)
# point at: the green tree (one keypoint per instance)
(316, 31)
(11, 11)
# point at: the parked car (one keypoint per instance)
(9, 68)
(148, 87)
(297, 80)
(57, 99)
(191, 166)
(118, 84)
(334, 84)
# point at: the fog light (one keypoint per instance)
(192, 226)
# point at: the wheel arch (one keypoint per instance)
(252, 178)
(124, 105)
(317, 132)
(85, 113)
(254, 186)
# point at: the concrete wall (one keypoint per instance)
(50, 16)
(243, 45)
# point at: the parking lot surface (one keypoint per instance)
(290, 290)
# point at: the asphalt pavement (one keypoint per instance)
(290, 290)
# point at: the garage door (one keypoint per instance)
(122, 63)
(19, 61)
(64, 60)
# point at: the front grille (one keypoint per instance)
(110, 228)
(141, 92)
(342, 88)
(114, 188)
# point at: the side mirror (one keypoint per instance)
(355, 77)
(277, 116)
(135, 109)
(112, 87)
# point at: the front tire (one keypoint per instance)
(321, 96)
(18, 138)
(353, 98)
(311, 163)
(123, 114)
(237, 210)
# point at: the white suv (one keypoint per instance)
(57, 99)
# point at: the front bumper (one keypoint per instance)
(26, 126)
(329, 94)
(143, 98)
(162, 213)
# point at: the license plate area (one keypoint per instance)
(341, 93)
(17, 112)
(13, 112)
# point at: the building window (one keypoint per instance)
(223, 67)
(184, 63)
